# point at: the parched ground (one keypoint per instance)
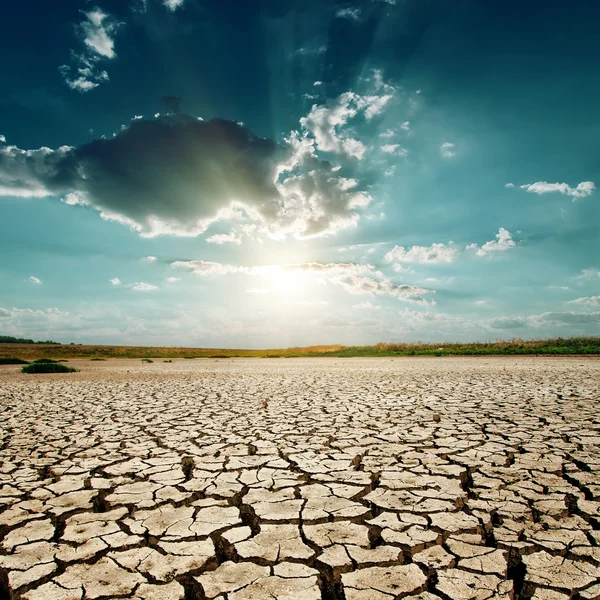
(302, 479)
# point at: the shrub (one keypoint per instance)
(147, 360)
(13, 361)
(97, 359)
(167, 361)
(43, 361)
(45, 367)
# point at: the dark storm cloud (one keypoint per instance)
(177, 174)
(180, 169)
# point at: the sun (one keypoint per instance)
(289, 283)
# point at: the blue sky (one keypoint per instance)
(279, 173)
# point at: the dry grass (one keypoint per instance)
(33, 351)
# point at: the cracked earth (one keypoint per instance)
(302, 479)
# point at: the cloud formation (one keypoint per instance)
(555, 319)
(583, 189)
(35, 280)
(589, 274)
(96, 31)
(502, 243)
(224, 238)
(140, 286)
(355, 278)
(351, 14)
(587, 301)
(177, 175)
(325, 122)
(373, 287)
(436, 253)
(448, 149)
(173, 5)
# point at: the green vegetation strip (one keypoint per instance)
(13, 361)
(558, 347)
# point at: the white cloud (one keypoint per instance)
(436, 253)
(97, 32)
(583, 189)
(447, 150)
(502, 242)
(172, 279)
(546, 319)
(80, 84)
(203, 267)
(35, 280)
(395, 149)
(311, 50)
(173, 5)
(509, 185)
(405, 126)
(75, 199)
(325, 122)
(97, 29)
(224, 238)
(366, 306)
(587, 301)
(352, 14)
(150, 259)
(564, 318)
(115, 281)
(350, 276)
(140, 286)
(421, 318)
(589, 274)
(20, 170)
(2, 139)
(507, 322)
(388, 133)
(372, 287)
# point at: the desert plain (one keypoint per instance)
(302, 479)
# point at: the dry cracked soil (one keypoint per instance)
(302, 479)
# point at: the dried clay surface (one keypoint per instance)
(302, 479)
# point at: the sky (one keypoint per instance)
(276, 173)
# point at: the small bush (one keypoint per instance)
(13, 361)
(45, 367)
(43, 361)
(97, 359)
(167, 361)
(147, 360)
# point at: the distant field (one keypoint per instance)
(558, 346)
